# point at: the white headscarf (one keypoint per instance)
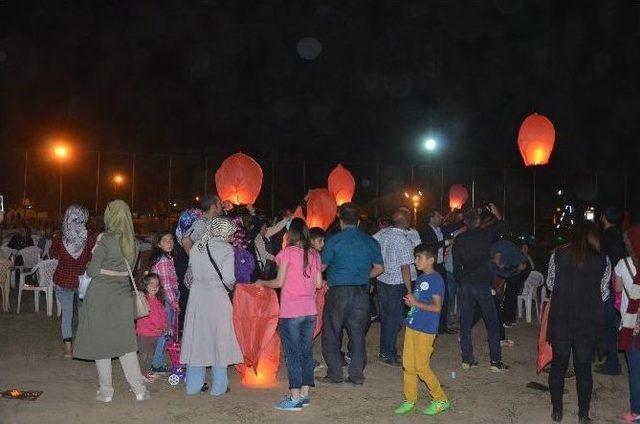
(218, 228)
(74, 230)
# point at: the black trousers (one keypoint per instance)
(582, 350)
(345, 307)
(444, 311)
(513, 288)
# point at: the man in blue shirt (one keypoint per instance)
(352, 259)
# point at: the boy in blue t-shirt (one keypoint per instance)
(422, 327)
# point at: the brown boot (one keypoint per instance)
(68, 350)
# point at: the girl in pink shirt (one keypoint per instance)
(299, 275)
(153, 326)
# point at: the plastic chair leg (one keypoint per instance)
(528, 306)
(36, 300)
(49, 295)
(58, 307)
(19, 299)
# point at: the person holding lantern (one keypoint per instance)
(212, 207)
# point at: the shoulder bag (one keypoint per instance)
(215, 265)
(140, 304)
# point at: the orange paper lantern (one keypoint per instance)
(321, 208)
(458, 196)
(536, 139)
(341, 184)
(239, 179)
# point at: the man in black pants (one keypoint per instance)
(352, 258)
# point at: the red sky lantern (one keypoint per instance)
(239, 179)
(321, 208)
(535, 139)
(458, 196)
(341, 184)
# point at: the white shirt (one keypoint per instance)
(397, 250)
(627, 279)
(414, 238)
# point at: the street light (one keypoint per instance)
(60, 152)
(430, 144)
(118, 179)
(415, 199)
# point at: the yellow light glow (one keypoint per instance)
(118, 179)
(61, 151)
(197, 198)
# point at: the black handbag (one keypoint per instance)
(215, 265)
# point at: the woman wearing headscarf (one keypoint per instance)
(580, 284)
(209, 339)
(71, 246)
(106, 326)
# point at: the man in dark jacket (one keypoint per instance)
(439, 236)
(472, 271)
(612, 246)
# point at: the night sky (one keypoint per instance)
(218, 76)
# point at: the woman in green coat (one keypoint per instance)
(106, 326)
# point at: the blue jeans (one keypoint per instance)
(633, 360)
(158, 356)
(469, 295)
(611, 323)
(453, 292)
(195, 380)
(392, 315)
(67, 300)
(297, 342)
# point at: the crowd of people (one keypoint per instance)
(434, 280)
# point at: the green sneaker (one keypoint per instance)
(437, 407)
(405, 408)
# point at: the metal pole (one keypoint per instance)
(170, 169)
(273, 187)
(504, 193)
(206, 174)
(26, 166)
(534, 203)
(304, 178)
(377, 201)
(626, 187)
(596, 186)
(97, 184)
(133, 180)
(441, 188)
(60, 189)
(473, 188)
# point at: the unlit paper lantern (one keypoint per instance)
(536, 139)
(239, 179)
(342, 184)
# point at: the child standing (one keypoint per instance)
(163, 266)
(420, 333)
(299, 275)
(150, 328)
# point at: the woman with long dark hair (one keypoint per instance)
(299, 275)
(580, 283)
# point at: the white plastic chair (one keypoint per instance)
(30, 257)
(44, 272)
(47, 247)
(529, 295)
(6, 252)
(5, 276)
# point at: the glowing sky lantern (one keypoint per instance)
(321, 208)
(458, 196)
(342, 184)
(536, 139)
(239, 179)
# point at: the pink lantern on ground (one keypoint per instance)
(239, 179)
(458, 196)
(342, 184)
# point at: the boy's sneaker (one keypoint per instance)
(437, 407)
(305, 401)
(468, 365)
(405, 408)
(289, 404)
(161, 370)
(498, 366)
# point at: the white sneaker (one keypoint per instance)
(143, 396)
(100, 397)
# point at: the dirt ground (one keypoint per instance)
(31, 358)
